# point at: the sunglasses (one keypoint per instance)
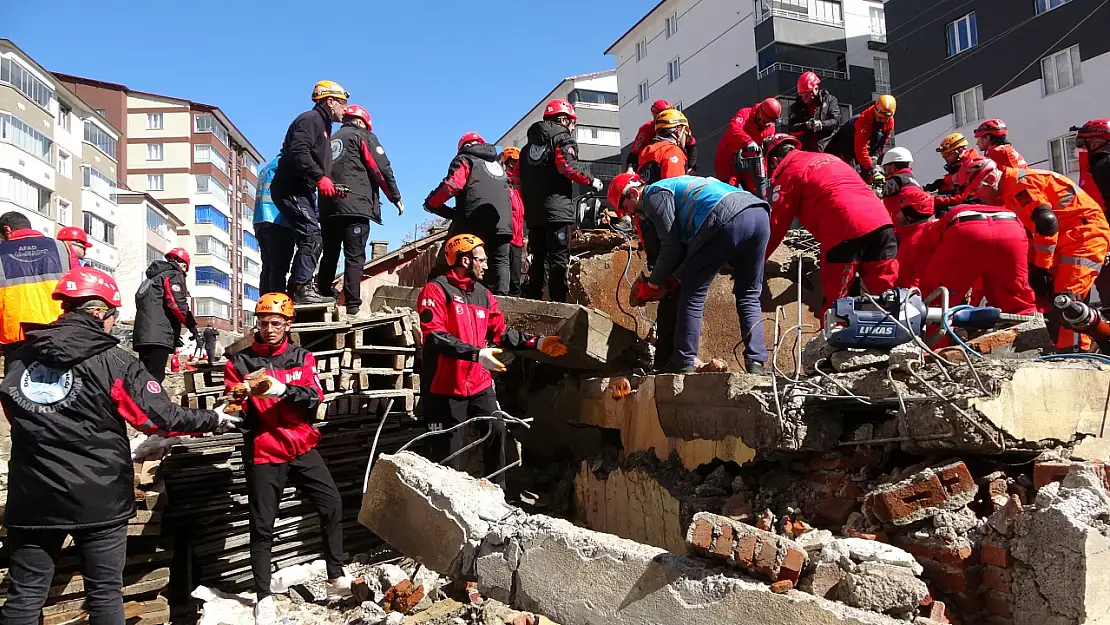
(271, 324)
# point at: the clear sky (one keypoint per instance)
(427, 70)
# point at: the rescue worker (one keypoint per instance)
(31, 264)
(464, 332)
(665, 156)
(483, 205)
(1093, 142)
(910, 208)
(738, 161)
(647, 132)
(815, 115)
(701, 224)
(161, 310)
(862, 140)
(991, 139)
(304, 168)
(510, 160)
(549, 167)
(829, 199)
(955, 151)
(361, 167)
(70, 394)
(980, 247)
(76, 240)
(1070, 234)
(280, 444)
(275, 237)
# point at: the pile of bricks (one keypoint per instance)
(770, 556)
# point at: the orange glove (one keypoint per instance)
(552, 346)
(621, 388)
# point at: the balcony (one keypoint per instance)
(828, 20)
(798, 69)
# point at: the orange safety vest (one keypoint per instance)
(1024, 190)
(664, 159)
(30, 266)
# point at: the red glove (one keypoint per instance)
(671, 285)
(645, 291)
(326, 187)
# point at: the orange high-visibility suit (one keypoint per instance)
(1075, 253)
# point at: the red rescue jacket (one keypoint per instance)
(742, 130)
(518, 205)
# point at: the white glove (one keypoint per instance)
(752, 147)
(487, 357)
(597, 184)
(400, 207)
(227, 420)
(277, 388)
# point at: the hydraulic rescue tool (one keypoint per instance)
(1085, 319)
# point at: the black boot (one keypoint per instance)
(755, 367)
(307, 294)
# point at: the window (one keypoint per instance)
(672, 24)
(209, 245)
(962, 34)
(250, 163)
(208, 214)
(153, 254)
(157, 223)
(209, 154)
(644, 92)
(878, 24)
(248, 213)
(1048, 5)
(830, 12)
(882, 74)
(154, 121)
(677, 105)
(1063, 155)
(23, 192)
(967, 106)
(252, 268)
(1061, 70)
(155, 182)
(101, 266)
(641, 49)
(250, 292)
(63, 117)
(248, 318)
(250, 241)
(20, 134)
(250, 189)
(101, 139)
(208, 184)
(100, 112)
(98, 183)
(65, 164)
(64, 214)
(208, 307)
(790, 8)
(24, 81)
(208, 123)
(674, 69)
(210, 276)
(588, 96)
(154, 151)
(99, 229)
(597, 135)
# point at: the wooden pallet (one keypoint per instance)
(367, 404)
(380, 356)
(204, 379)
(362, 380)
(330, 361)
(318, 313)
(394, 333)
(154, 611)
(208, 401)
(321, 337)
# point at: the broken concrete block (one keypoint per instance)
(823, 581)
(744, 546)
(883, 588)
(813, 542)
(855, 359)
(860, 550)
(918, 497)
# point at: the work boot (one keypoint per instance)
(755, 367)
(307, 294)
(265, 611)
(337, 589)
(355, 314)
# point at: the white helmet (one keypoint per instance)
(897, 155)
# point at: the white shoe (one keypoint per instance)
(265, 611)
(339, 589)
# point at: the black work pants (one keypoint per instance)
(550, 247)
(103, 552)
(516, 262)
(275, 245)
(264, 485)
(303, 216)
(350, 235)
(497, 273)
(210, 350)
(666, 320)
(444, 411)
(154, 358)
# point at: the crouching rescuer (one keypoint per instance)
(464, 331)
(70, 393)
(283, 391)
(700, 225)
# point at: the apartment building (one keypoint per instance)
(58, 157)
(711, 58)
(193, 160)
(1040, 65)
(594, 97)
(139, 246)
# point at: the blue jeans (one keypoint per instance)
(743, 243)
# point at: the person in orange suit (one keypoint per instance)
(991, 139)
(1070, 234)
(910, 208)
(665, 156)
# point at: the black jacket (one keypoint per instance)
(210, 336)
(359, 161)
(69, 393)
(480, 186)
(305, 153)
(162, 307)
(827, 113)
(549, 168)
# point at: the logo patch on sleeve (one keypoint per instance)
(426, 315)
(153, 387)
(175, 288)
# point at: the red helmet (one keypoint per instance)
(86, 282)
(769, 110)
(619, 186)
(559, 107)
(179, 253)
(808, 83)
(1094, 129)
(659, 106)
(468, 138)
(973, 172)
(770, 144)
(991, 128)
(354, 110)
(75, 235)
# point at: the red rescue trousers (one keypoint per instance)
(909, 255)
(873, 256)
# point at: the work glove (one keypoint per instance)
(644, 292)
(597, 184)
(752, 149)
(813, 124)
(268, 386)
(620, 388)
(227, 419)
(552, 346)
(400, 208)
(1041, 281)
(487, 357)
(326, 187)
(877, 176)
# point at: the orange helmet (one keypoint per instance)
(329, 89)
(460, 244)
(951, 143)
(885, 106)
(510, 153)
(274, 304)
(670, 118)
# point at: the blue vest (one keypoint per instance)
(694, 199)
(265, 211)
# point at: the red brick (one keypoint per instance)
(849, 491)
(999, 605)
(956, 479)
(898, 503)
(792, 564)
(949, 580)
(996, 578)
(765, 558)
(995, 555)
(782, 586)
(994, 341)
(1045, 473)
(701, 539)
(723, 545)
(937, 612)
(997, 492)
(745, 551)
(937, 550)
